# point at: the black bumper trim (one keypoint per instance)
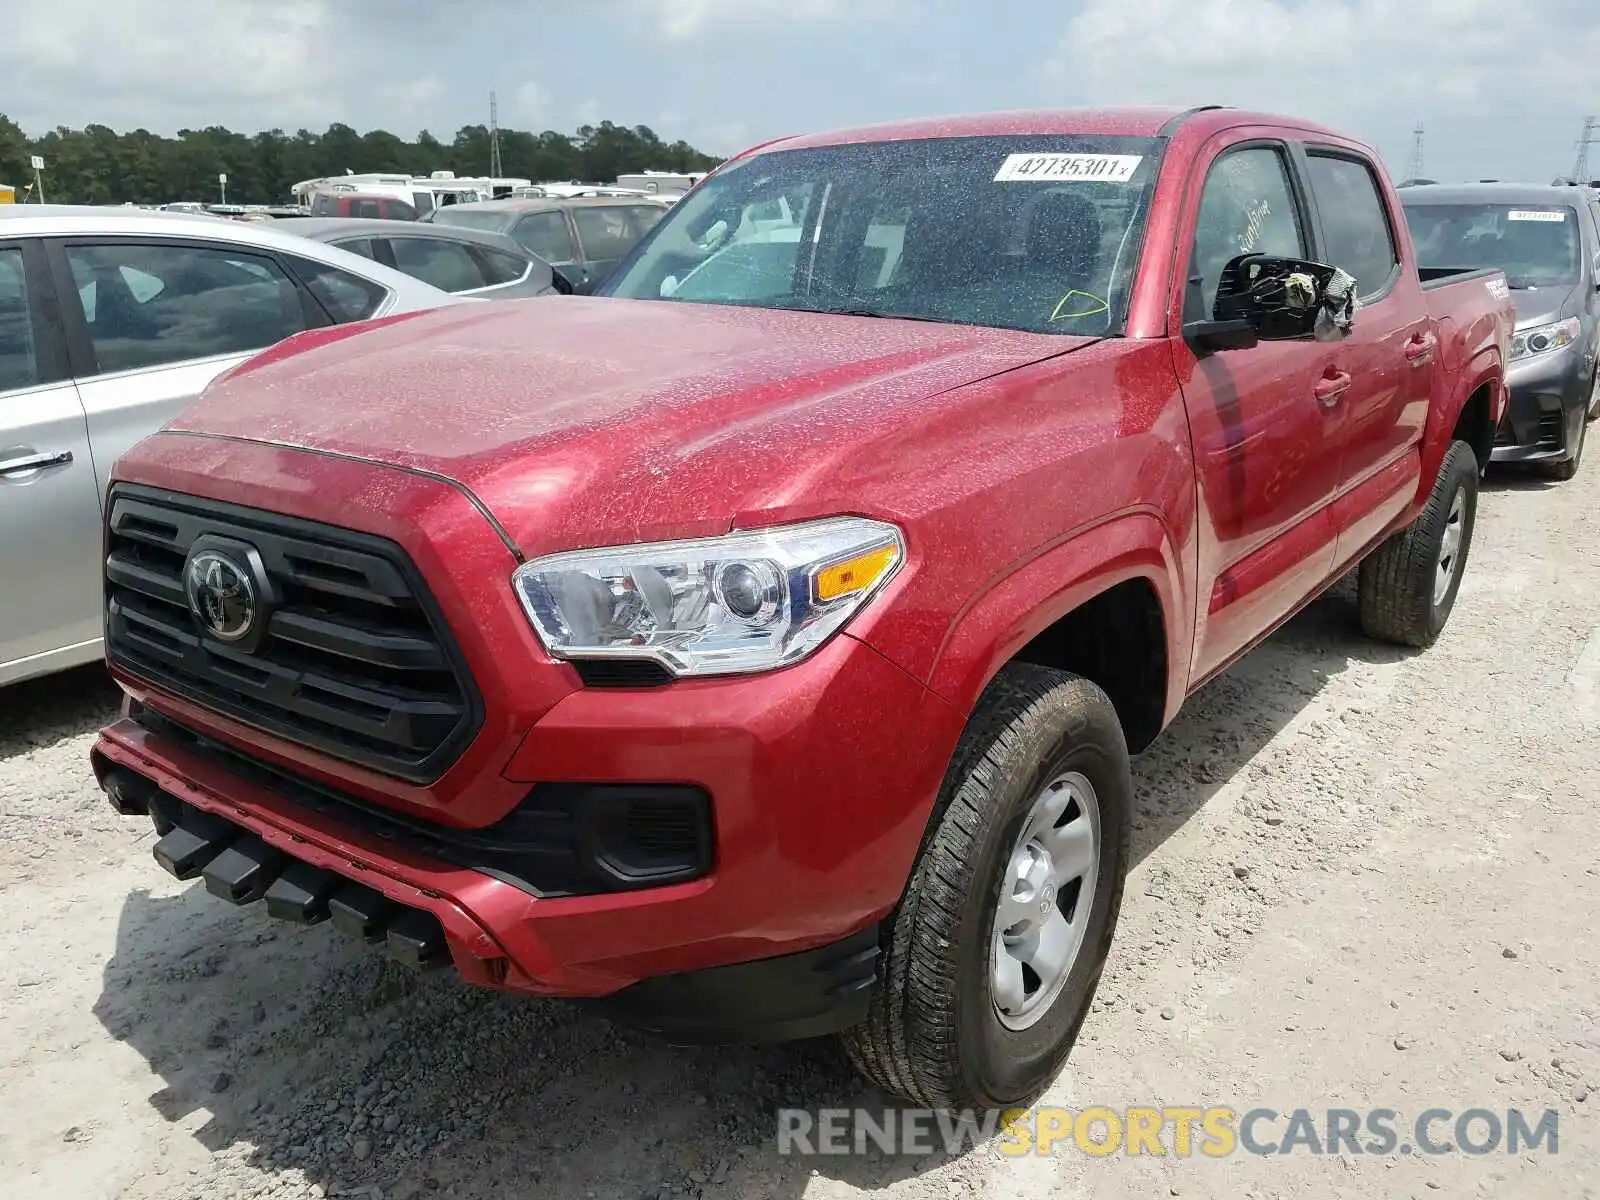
(782, 999)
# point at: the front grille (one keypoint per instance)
(354, 660)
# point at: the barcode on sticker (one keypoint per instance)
(1093, 168)
(1498, 289)
(1534, 214)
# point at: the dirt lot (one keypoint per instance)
(1364, 878)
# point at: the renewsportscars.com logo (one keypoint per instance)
(1175, 1131)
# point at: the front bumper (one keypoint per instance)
(1549, 399)
(821, 777)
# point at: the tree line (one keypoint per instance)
(97, 165)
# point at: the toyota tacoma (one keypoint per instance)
(756, 649)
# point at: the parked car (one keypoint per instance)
(1547, 240)
(111, 320)
(582, 238)
(767, 664)
(374, 206)
(458, 260)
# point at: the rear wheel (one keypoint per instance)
(998, 943)
(1408, 585)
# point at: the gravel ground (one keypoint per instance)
(1364, 878)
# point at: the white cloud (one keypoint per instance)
(1335, 60)
(175, 61)
(683, 19)
(529, 108)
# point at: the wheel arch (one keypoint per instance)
(1107, 603)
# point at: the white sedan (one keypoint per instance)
(111, 321)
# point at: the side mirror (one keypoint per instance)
(1263, 297)
(669, 285)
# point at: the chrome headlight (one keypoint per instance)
(1542, 339)
(711, 606)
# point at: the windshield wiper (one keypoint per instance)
(887, 316)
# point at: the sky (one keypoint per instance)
(1500, 88)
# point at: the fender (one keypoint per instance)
(1021, 602)
(1445, 410)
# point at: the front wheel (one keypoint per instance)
(1407, 586)
(994, 953)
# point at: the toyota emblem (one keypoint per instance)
(221, 595)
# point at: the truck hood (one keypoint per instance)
(585, 421)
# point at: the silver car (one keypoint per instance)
(111, 321)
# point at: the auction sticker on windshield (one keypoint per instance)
(1531, 214)
(1094, 168)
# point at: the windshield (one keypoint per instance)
(1535, 245)
(1030, 233)
(490, 220)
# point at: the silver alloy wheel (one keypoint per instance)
(1046, 895)
(1450, 547)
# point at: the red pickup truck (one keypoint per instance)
(757, 649)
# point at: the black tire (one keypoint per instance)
(1396, 582)
(933, 1035)
(1567, 468)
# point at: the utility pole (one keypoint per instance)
(1414, 163)
(1591, 135)
(495, 169)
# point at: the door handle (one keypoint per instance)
(1419, 350)
(35, 462)
(1330, 387)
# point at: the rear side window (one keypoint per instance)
(645, 218)
(1354, 221)
(19, 365)
(397, 210)
(325, 206)
(365, 208)
(501, 267)
(1247, 207)
(361, 246)
(606, 233)
(347, 297)
(446, 265)
(546, 235)
(150, 304)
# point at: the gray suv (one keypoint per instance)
(1547, 241)
(111, 321)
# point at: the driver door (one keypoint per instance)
(1265, 433)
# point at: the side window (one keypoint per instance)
(423, 201)
(1247, 207)
(605, 233)
(19, 365)
(396, 210)
(365, 208)
(546, 235)
(1354, 221)
(446, 265)
(154, 303)
(644, 218)
(347, 297)
(1594, 212)
(361, 246)
(501, 267)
